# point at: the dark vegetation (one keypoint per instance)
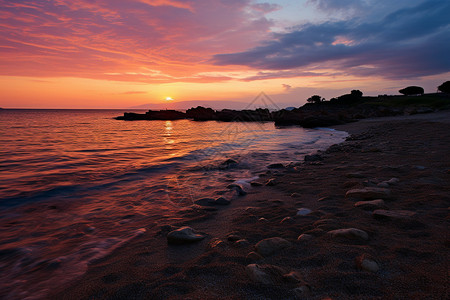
(318, 111)
(412, 90)
(445, 87)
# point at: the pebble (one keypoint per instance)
(303, 211)
(184, 235)
(255, 183)
(266, 274)
(222, 201)
(217, 243)
(241, 243)
(229, 162)
(383, 185)
(349, 233)
(253, 256)
(366, 264)
(370, 205)
(369, 193)
(295, 195)
(250, 209)
(293, 277)
(238, 188)
(369, 265)
(233, 237)
(271, 182)
(304, 237)
(205, 202)
(269, 246)
(287, 220)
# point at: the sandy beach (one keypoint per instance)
(396, 247)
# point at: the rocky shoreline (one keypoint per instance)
(345, 109)
(365, 219)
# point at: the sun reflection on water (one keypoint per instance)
(168, 136)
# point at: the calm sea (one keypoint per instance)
(76, 174)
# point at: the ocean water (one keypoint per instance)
(76, 184)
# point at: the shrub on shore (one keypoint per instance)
(445, 87)
(412, 90)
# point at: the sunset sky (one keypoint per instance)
(124, 53)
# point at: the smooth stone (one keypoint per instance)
(266, 274)
(370, 183)
(241, 243)
(366, 264)
(205, 202)
(255, 183)
(233, 237)
(184, 235)
(271, 182)
(239, 189)
(303, 211)
(349, 233)
(229, 162)
(383, 185)
(253, 256)
(269, 246)
(393, 214)
(369, 193)
(293, 277)
(250, 209)
(275, 166)
(370, 205)
(304, 237)
(217, 243)
(222, 201)
(287, 220)
(263, 220)
(369, 265)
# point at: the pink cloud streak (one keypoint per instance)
(92, 39)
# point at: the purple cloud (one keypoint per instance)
(410, 42)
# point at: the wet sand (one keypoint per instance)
(403, 256)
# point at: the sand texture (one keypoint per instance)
(397, 248)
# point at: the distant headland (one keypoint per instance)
(318, 112)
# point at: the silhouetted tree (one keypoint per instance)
(356, 93)
(315, 99)
(445, 87)
(412, 90)
(354, 97)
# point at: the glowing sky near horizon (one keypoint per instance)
(118, 54)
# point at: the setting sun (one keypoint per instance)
(169, 99)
